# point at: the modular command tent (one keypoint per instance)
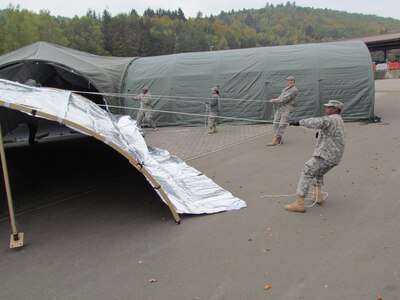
(180, 83)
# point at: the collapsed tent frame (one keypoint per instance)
(142, 169)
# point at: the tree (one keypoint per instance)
(162, 36)
(149, 13)
(106, 29)
(49, 29)
(85, 34)
(249, 20)
(19, 29)
(181, 15)
(125, 35)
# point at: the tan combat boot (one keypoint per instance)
(275, 141)
(317, 196)
(297, 206)
(210, 131)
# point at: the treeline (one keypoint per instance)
(159, 32)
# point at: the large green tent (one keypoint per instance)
(180, 83)
(341, 71)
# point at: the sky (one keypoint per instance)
(70, 8)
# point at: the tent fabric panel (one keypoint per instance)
(354, 91)
(104, 72)
(258, 74)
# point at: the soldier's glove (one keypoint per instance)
(316, 134)
(294, 123)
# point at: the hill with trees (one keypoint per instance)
(159, 32)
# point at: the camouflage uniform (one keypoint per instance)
(328, 150)
(286, 102)
(213, 104)
(145, 109)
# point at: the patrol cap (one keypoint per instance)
(290, 78)
(215, 88)
(335, 103)
(145, 89)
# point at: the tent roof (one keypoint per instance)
(246, 77)
(104, 72)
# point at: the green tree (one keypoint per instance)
(85, 34)
(49, 29)
(124, 35)
(165, 31)
(19, 29)
(106, 29)
(250, 20)
(162, 36)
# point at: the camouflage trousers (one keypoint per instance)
(147, 116)
(212, 119)
(281, 121)
(313, 173)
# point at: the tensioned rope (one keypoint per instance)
(200, 100)
(205, 115)
(182, 99)
(191, 114)
(169, 98)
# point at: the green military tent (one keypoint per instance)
(180, 83)
(59, 67)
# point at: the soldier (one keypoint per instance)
(286, 102)
(327, 154)
(213, 105)
(145, 108)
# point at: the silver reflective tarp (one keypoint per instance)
(189, 191)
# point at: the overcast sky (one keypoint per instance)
(70, 8)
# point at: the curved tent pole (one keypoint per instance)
(81, 128)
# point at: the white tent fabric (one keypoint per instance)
(186, 188)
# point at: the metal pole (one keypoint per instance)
(17, 238)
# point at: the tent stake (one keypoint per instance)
(17, 238)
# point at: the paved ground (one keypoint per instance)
(190, 143)
(116, 240)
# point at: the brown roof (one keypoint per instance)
(381, 42)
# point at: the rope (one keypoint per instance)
(166, 97)
(179, 98)
(205, 115)
(194, 114)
